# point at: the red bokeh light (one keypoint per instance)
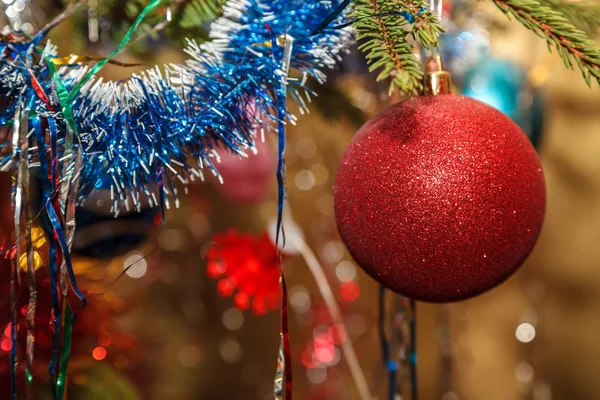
(225, 287)
(6, 344)
(349, 291)
(104, 339)
(99, 353)
(324, 348)
(241, 301)
(258, 306)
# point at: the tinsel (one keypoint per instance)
(145, 133)
(147, 130)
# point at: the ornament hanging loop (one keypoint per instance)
(436, 80)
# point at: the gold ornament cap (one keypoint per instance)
(437, 81)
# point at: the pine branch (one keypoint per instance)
(572, 44)
(384, 27)
(186, 13)
(189, 18)
(196, 13)
(585, 15)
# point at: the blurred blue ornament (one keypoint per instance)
(461, 49)
(504, 86)
(452, 48)
(497, 83)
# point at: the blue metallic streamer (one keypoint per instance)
(58, 231)
(331, 17)
(46, 186)
(52, 177)
(280, 75)
(390, 364)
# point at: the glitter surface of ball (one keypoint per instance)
(440, 198)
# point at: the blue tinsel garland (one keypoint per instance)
(165, 125)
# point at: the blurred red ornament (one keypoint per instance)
(440, 198)
(247, 266)
(246, 179)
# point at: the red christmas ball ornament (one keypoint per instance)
(440, 198)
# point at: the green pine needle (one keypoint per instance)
(196, 13)
(572, 44)
(384, 30)
(189, 18)
(585, 14)
(186, 13)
